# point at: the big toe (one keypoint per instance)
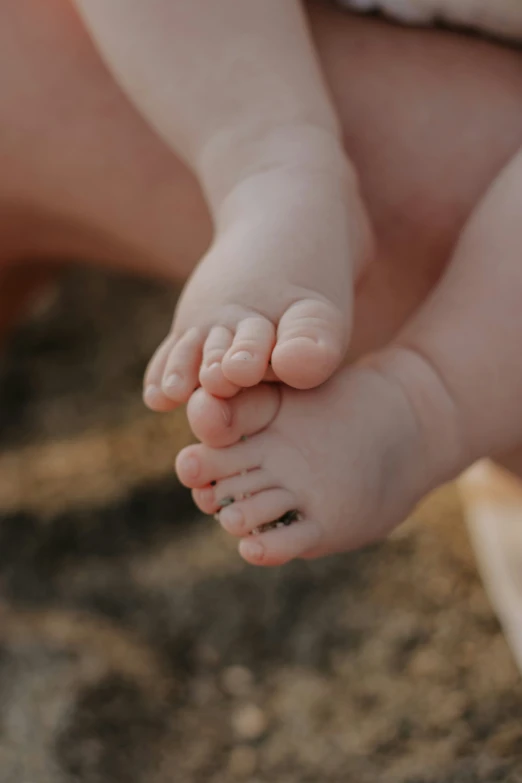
(221, 423)
(311, 342)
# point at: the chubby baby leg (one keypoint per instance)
(234, 87)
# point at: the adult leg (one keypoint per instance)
(21, 285)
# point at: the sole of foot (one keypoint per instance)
(273, 296)
(342, 463)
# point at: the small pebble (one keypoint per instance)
(285, 521)
(289, 517)
(249, 722)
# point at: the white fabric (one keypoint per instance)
(499, 17)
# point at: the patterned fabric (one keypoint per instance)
(135, 647)
(497, 17)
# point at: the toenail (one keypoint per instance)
(152, 394)
(234, 517)
(242, 356)
(190, 466)
(252, 548)
(174, 381)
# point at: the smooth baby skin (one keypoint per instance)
(410, 416)
(74, 181)
(235, 89)
(263, 141)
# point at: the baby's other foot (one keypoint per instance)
(338, 466)
(273, 296)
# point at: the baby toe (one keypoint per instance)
(153, 395)
(205, 500)
(220, 423)
(282, 544)
(311, 342)
(197, 466)
(244, 486)
(220, 494)
(211, 375)
(180, 375)
(248, 358)
(242, 517)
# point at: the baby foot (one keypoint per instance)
(273, 294)
(347, 457)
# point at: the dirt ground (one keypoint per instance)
(136, 647)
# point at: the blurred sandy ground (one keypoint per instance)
(134, 644)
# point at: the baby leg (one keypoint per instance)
(234, 87)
